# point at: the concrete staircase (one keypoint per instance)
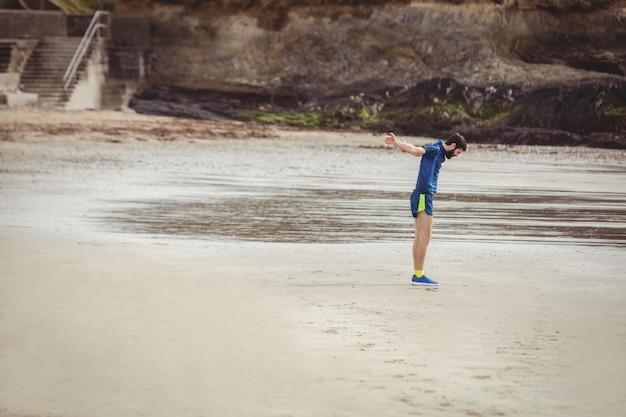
(44, 71)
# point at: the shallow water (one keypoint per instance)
(315, 189)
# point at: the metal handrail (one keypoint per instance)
(83, 47)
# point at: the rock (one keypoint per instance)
(515, 69)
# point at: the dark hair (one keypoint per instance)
(459, 140)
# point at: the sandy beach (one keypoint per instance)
(159, 267)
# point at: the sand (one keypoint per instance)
(100, 317)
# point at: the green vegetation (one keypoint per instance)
(364, 117)
(453, 112)
(495, 112)
(295, 119)
(332, 117)
(613, 111)
(368, 116)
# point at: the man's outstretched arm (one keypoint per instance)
(390, 139)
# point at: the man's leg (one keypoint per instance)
(423, 233)
(422, 209)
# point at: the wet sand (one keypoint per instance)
(153, 266)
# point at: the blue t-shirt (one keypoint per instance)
(430, 165)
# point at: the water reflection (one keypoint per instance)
(341, 214)
(546, 216)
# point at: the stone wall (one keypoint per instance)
(128, 57)
(16, 24)
(131, 31)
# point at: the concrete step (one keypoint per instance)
(45, 69)
(42, 77)
(55, 92)
(45, 72)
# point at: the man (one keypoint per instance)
(432, 156)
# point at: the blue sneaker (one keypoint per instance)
(424, 280)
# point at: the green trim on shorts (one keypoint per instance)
(421, 206)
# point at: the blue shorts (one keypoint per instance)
(421, 202)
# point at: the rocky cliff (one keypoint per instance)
(526, 71)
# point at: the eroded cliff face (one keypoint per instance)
(517, 72)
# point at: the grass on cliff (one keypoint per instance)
(364, 117)
(614, 111)
(451, 113)
(332, 117)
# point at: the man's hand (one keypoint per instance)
(390, 139)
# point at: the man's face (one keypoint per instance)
(453, 152)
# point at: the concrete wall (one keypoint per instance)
(15, 24)
(77, 24)
(116, 68)
(10, 95)
(130, 31)
(22, 49)
(30, 4)
(128, 58)
(9, 82)
(87, 93)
